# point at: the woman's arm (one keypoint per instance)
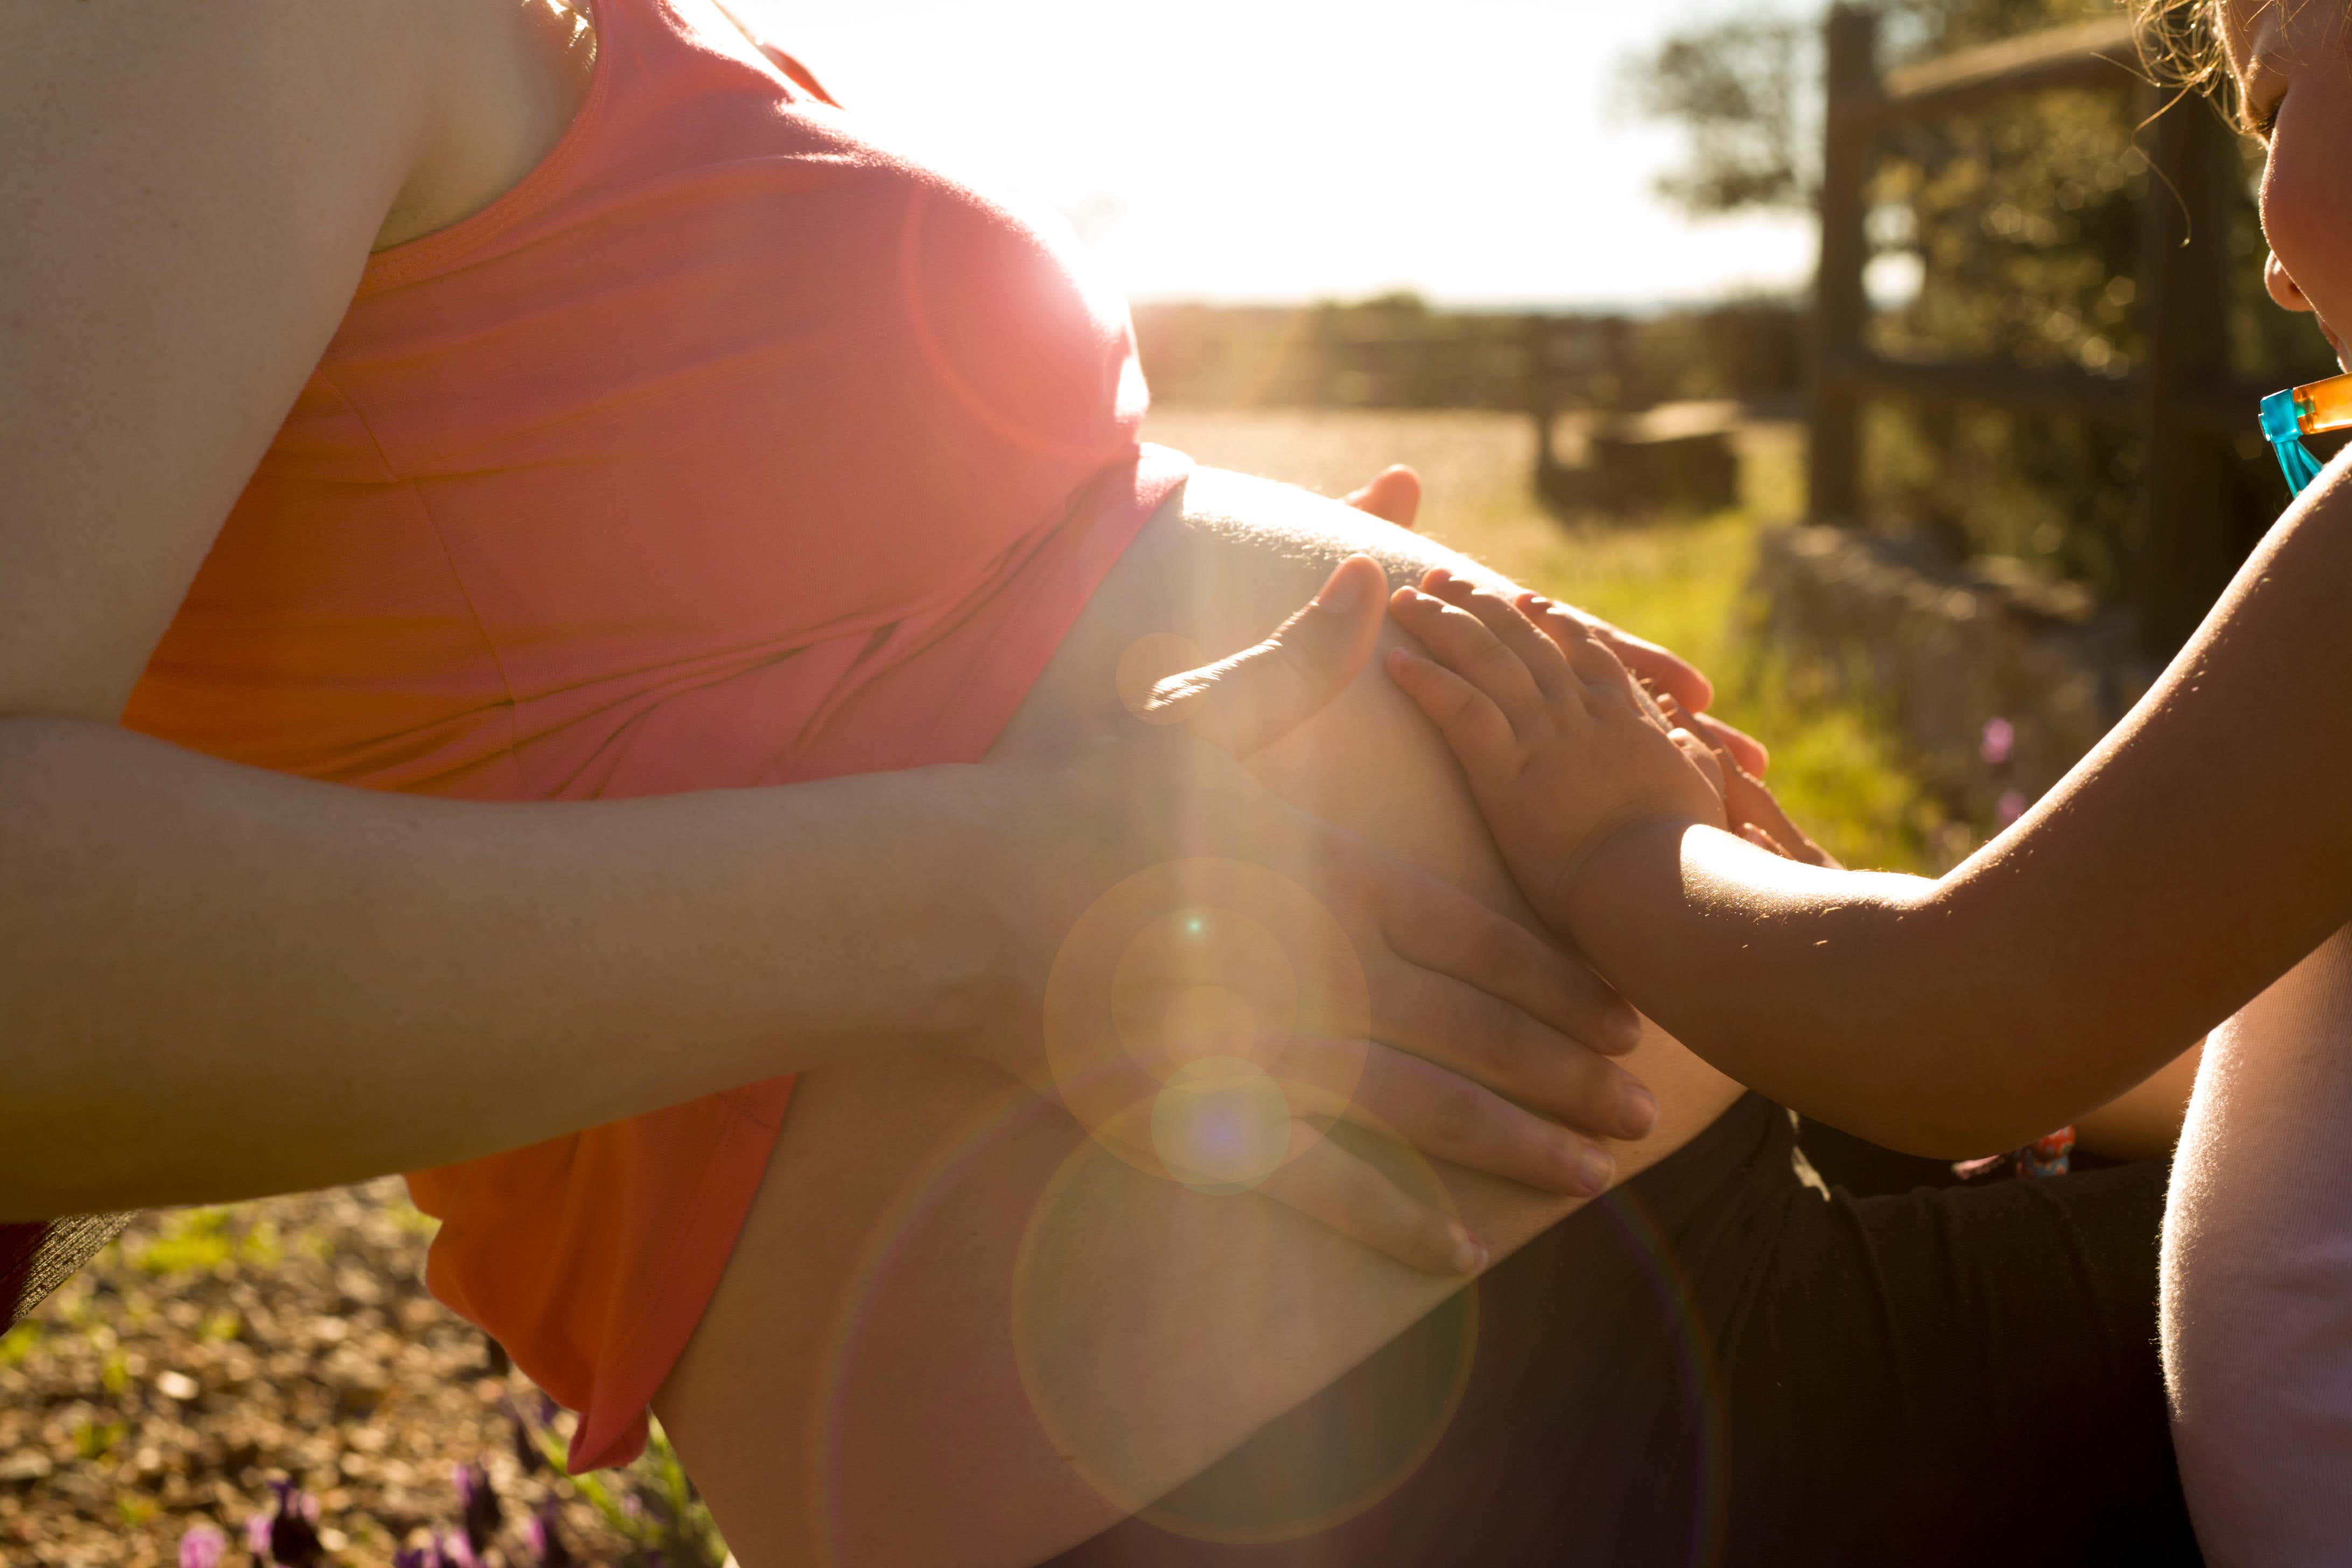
(219, 982)
(2192, 858)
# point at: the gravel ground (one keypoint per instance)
(208, 1352)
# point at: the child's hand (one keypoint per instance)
(1560, 747)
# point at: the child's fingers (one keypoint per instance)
(1763, 840)
(1461, 642)
(1511, 628)
(1482, 738)
(1586, 653)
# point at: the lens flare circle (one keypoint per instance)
(1221, 1125)
(1096, 1236)
(1205, 959)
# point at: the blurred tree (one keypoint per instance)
(2006, 233)
(1748, 90)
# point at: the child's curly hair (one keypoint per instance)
(2181, 43)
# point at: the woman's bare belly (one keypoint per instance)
(952, 1330)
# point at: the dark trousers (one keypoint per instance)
(1717, 1365)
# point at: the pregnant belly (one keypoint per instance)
(1220, 566)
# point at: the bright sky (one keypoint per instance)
(1480, 150)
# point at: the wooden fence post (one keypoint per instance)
(2184, 551)
(1833, 459)
(1542, 394)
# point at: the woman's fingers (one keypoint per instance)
(1481, 738)
(1350, 1194)
(1664, 670)
(1543, 656)
(1459, 641)
(1227, 1139)
(1748, 801)
(1744, 749)
(1730, 746)
(1434, 927)
(1257, 696)
(1453, 982)
(1449, 1117)
(1468, 1031)
(1392, 496)
(1755, 805)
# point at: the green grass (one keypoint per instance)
(202, 1240)
(19, 1343)
(1835, 767)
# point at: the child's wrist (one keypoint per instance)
(1609, 856)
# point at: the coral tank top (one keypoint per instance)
(730, 448)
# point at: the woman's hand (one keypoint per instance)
(1209, 977)
(1560, 751)
(1749, 809)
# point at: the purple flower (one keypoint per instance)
(478, 1502)
(292, 1535)
(2009, 807)
(438, 1555)
(2000, 739)
(546, 1540)
(204, 1546)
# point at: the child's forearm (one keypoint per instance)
(1823, 990)
(2192, 859)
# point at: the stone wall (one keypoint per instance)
(1996, 681)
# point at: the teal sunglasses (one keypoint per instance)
(2288, 416)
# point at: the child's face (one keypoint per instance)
(2293, 61)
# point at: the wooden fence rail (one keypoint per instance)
(2179, 397)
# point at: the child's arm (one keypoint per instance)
(2196, 853)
